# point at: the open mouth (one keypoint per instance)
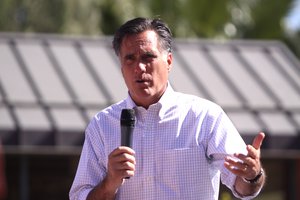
(140, 81)
(143, 82)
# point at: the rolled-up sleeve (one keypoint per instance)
(91, 168)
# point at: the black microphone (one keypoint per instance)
(127, 125)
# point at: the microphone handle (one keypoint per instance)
(126, 135)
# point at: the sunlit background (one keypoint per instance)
(228, 19)
(46, 172)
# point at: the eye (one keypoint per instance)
(129, 59)
(148, 57)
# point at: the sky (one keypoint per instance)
(293, 19)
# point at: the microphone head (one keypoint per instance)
(127, 117)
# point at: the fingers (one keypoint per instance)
(257, 142)
(121, 163)
(240, 168)
(254, 149)
(235, 166)
(249, 160)
(122, 154)
(247, 166)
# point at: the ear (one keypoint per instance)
(169, 61)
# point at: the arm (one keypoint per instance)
(250, 176)
(121, 164)
(103, 191)
(247, 188)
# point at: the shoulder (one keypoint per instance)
(108, 114)
(197, 104)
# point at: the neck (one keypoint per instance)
(150, 100)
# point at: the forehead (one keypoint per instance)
(146, 39)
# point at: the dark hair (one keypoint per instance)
(138, 25)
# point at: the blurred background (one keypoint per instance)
(229, 19)
(42, 138)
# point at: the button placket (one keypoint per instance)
(148, 146)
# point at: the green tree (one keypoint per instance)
(81, 17)
(31, 15)
(260, 19)
(44, 16)
(191, 18)
(293, 41)
(12, 15)
(206, 19)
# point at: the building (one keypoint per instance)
(50, 86)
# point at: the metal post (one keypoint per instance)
(292, 180)
(24, 177)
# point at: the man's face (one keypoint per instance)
(145, 67)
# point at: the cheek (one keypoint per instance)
(162, 75)
(127, 76)
(124, 74)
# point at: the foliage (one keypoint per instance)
(260, 19)
(206, 18)
(264, 18)
(31, 15)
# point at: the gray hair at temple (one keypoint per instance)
(138, 25)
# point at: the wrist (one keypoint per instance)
(104, 190)
(111, 184)
(256, 178)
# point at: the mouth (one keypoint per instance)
(140, 81)
(143, 82)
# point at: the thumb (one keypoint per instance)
(257, 142)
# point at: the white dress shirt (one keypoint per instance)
(180, 144)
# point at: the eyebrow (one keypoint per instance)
(147, 53)
(150, 53)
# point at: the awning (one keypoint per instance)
(51, 85)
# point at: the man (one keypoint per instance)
(182, 145)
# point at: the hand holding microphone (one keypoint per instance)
(121, 161)
(127, 123)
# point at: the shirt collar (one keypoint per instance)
(129, 102)
(163, 105)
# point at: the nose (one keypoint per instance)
(140, 67)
